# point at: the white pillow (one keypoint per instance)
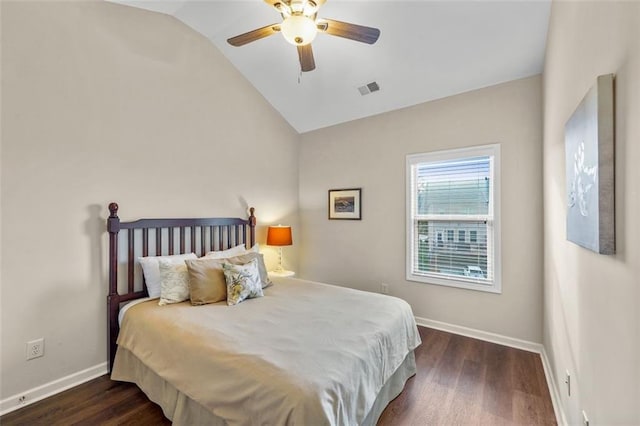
(151, 270)
(232, 252)
(174, 282)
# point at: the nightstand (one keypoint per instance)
(281, 274)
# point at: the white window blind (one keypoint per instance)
(453, 218)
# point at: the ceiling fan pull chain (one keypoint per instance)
(300, 76)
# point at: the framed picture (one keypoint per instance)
(589, 139)
(345, 204)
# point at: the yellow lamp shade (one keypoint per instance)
(279, 236)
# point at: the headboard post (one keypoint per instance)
(113, 226)
(113, 300)
(252, 224)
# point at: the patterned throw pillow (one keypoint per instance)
(262, 269)
(151, 270)
(174, 282)
(243, 281)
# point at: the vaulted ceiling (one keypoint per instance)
(427, 50)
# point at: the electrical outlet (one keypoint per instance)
(567, 380)
(585, 419)
(384, 288)
(35, 348)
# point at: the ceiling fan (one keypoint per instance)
(300, 26)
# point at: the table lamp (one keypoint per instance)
(279, 236)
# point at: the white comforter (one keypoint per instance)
(305, 353)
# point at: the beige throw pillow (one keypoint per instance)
(206, 281)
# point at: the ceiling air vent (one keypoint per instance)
(368, 88)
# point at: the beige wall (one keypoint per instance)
(103, 102)
(1, 127)
(592, 314)
(370, 153)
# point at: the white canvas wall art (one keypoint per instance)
(589, 144)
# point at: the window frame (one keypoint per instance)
(493, 244)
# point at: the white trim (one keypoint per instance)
(481, 335)
(49, 389)
(506, 341)
(561, 419)
(453, 218)
(467, 283)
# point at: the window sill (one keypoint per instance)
(489, 287)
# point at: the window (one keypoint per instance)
(448, 192)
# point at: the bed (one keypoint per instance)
(305, 353)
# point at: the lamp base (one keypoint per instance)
(279, 268)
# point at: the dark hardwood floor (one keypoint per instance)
(464, 381)
(460, 381)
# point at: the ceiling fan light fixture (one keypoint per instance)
(284, 9)
(299, 30)
(297, 6)
(310, 8)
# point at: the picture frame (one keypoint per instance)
(345, 204)
(589, 148)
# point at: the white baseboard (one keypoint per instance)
(506, 341)
(481, 335)
(561, 419)
(48, 389)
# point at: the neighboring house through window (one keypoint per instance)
(454, 193)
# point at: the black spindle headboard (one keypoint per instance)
(204, 235)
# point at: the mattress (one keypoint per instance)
(305, 353)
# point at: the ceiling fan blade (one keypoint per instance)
(242, 39)
(355, 32)
(307, 63)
